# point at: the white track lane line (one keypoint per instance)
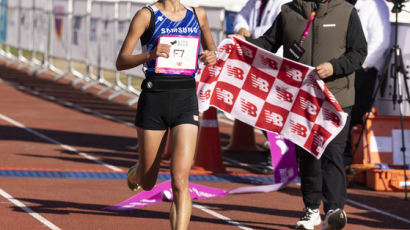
(28, 210)
(378, 211)
(219, 216)
(69, 148)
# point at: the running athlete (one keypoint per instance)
(168, 99)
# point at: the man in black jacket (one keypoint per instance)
(329, 36)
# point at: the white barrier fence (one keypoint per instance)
(88, 31)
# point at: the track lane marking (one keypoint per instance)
(378, 211)
(28, 210)
(220, 216)
(64, 146)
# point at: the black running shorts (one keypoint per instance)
(167, 101)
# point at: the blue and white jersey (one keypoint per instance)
(188, 26)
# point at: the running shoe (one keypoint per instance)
(335, 220)
(131, 186)
(309, 220)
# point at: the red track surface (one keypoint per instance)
(78, 203)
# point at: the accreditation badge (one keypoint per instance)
(296, 51)
(183, 56)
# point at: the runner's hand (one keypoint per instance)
(161, 50)
(209, 58)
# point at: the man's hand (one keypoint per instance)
(244, 32)
(237, 36)
(324, 70)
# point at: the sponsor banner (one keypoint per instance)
(79, 38)
(60, 29)
(79, 31)
(94, 33)
(45, 5)
(108, 36)
(271, 93)
(26, 25)
(3, 20)
(40, 26)
(12, 24)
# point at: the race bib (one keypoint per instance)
(183, 56)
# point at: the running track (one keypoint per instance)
(64, 154)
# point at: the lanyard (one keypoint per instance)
(306, 31)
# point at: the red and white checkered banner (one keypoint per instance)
(271, 93)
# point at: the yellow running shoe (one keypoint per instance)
(131, 186)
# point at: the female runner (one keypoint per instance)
(168, 100)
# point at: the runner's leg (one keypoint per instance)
(151, 144)
(183, 142)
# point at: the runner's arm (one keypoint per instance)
(125, 59)
(208, 56)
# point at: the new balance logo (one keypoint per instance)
(248, 108)
(203, 96)
(298, 129)
(308, 106)
(269, 62)
(224, 95)
(244, 51)
(284, 95)
(332, 97)
(274, 118)
(214, 71)
(227, 48)
(333, 117)
(312, 83)
(318, 141)
(259, 83)
(293, 73)
(235, 72)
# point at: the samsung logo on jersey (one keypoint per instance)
(179, 30)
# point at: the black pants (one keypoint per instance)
(325, 179)
(365, 82)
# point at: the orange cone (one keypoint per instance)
(208, 155)
(242, 139)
